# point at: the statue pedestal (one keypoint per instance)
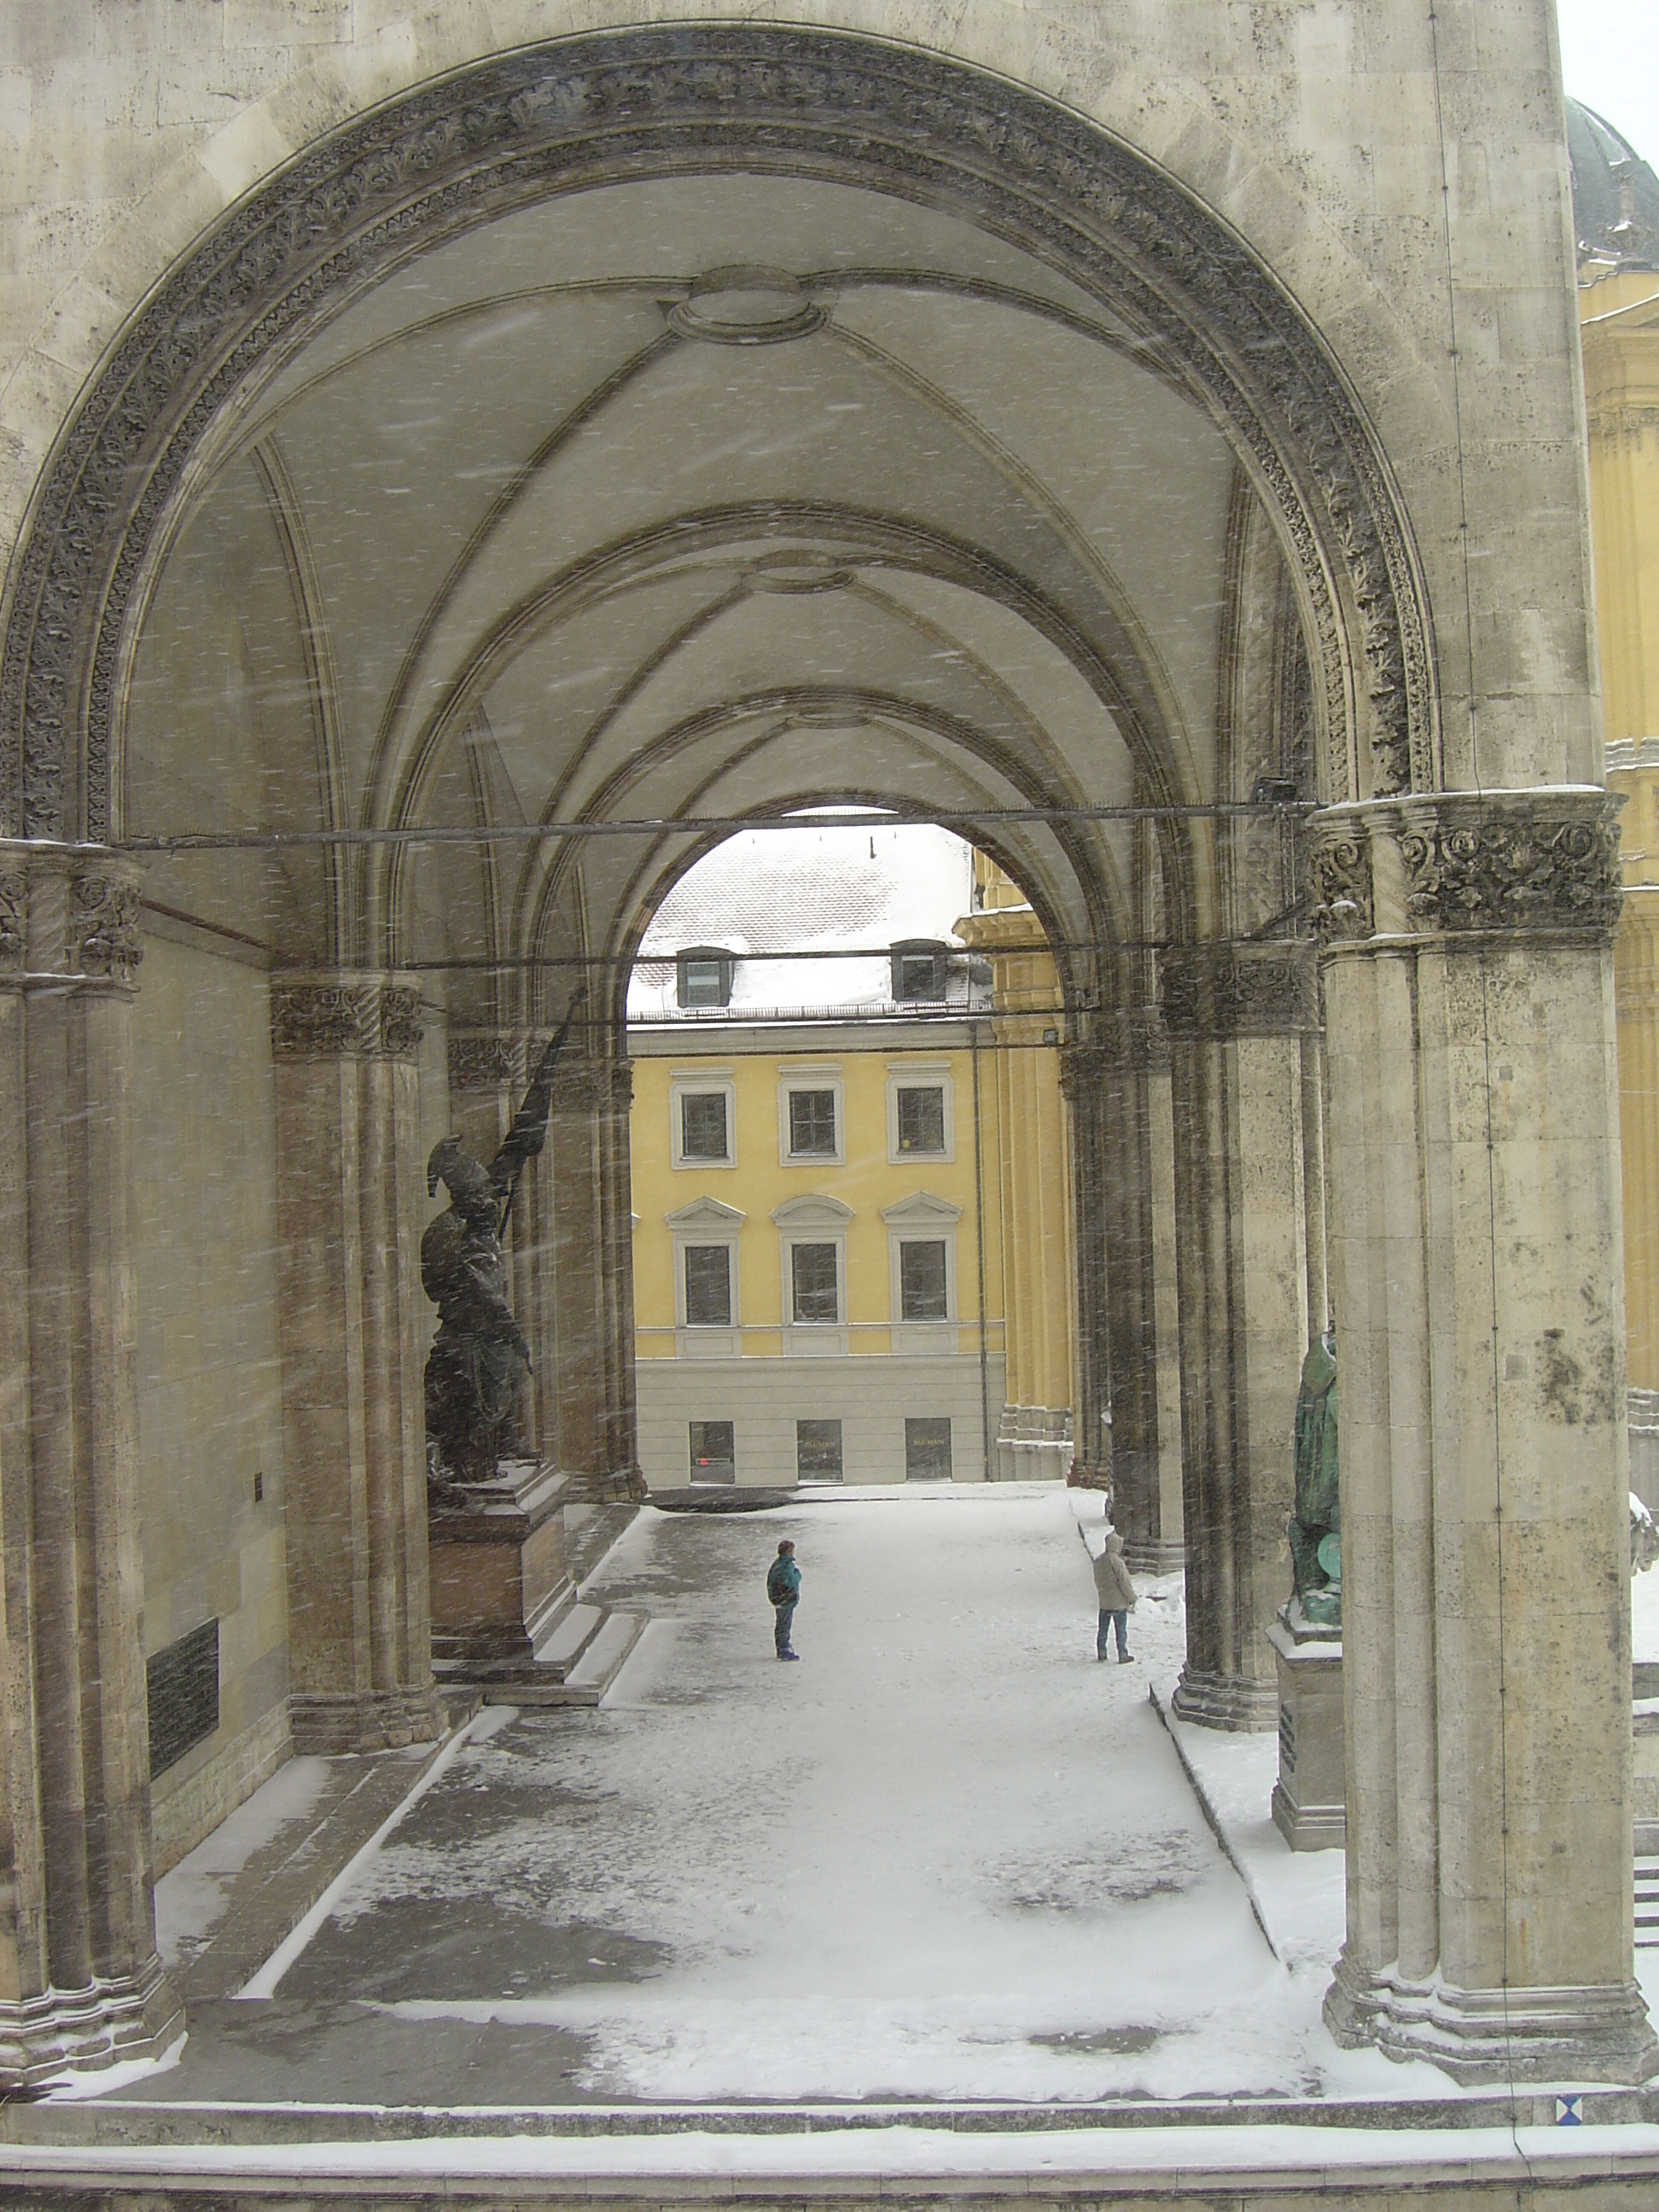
(498, 1577)
(1310, 1806)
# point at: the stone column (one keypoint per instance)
(80, 1981)
(1105, 1088)
(1636, 971)
(350, 1197)
(1474, 1243)
(585, 1225)
(1236, 1016)
(622, 1476)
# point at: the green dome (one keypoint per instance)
(1615, 195)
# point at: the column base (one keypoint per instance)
(1153, 1555)
(325, 1727)
(1235, 1702)
(124, 2017)
(1600, 2033)
(1090, 1475)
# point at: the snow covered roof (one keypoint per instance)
(831, 901)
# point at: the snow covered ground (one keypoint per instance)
(947, 1856)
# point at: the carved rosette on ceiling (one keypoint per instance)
(332, 1016)
(1468, 865)
(583, 111)
(1223, 991)
(486, 1059)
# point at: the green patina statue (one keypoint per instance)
(1315, 1541)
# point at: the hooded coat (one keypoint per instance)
(1117, 1591)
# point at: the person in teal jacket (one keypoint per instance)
(783, 1588)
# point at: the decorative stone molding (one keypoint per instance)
(1465, 864)
(579, 113)
(70, 917)
(1599, 2033)
(1239, 990)
(326, 1017)
(114, 2018)
(1238, 1704)
(486, 1059)
(1530, 861)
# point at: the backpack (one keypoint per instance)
(777, 1589)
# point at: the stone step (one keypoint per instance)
(570, 1635)
(1647, 1904)
(605, 1656)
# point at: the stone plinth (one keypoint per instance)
(499, 1577)
(1309, 1797)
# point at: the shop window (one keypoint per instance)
(927, 1448)
(817, 1451)
(714, 1452)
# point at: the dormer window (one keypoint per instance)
(919, 971)
(704, 977)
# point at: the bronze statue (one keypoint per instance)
(1315, 1534)
(479, 1359)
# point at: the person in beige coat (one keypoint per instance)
(1116, 1592)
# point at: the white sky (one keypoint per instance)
(1610, 61)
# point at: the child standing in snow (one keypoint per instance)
(783, 1589)
(1116, 1593)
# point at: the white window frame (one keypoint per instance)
(705, 1221)
(920, 1075)
(700, 1081)
(923, 1218)
(828, 1077)
(813, 1219)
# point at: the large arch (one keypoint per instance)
(1463, 948)
(451, 155)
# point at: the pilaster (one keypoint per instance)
(1237, 1016)
(1474, 1236)
(354, 1330)
(80, 1982)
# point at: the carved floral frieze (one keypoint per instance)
(1239, 990)
(13, 923)
(486, 1059)
(1463, 863)
(321, 1017)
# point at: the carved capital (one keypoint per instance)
(14, 922)
(1529, 861)
(486, 1059)
(101, 929)
(1338, 865)
(330, 1015)
(1239, 990)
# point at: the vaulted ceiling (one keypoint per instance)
(709, 495)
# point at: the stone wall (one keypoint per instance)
(209, 1410)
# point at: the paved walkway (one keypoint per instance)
(947, 1856)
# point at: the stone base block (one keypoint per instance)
(1309, 1806)
(1594, 2033)
(134, 2016)
(1153, 1555)
(499, 1574)
(326, 1726)
(1236, 1702)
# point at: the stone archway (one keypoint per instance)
(1465, 936)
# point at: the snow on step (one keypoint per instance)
(569, 1636)
(601, 1662)
(1647, 1903)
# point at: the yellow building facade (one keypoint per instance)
(1618, 314)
